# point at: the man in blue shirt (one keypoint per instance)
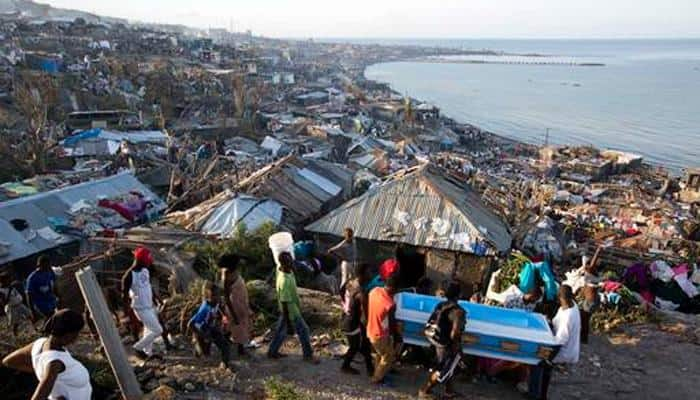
(40, 290)
(205, 324)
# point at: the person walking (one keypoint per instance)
(137, 291)
(13, 302)
(290, 319)
(206, 325)
(346, 251)
(354, 312)
(40, 290)
(60, 375)
(236, 300)
(382, 330)
(449, 319)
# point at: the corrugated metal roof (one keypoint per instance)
(304, 194)
(36, 210)
(365, 144)
(421, 207)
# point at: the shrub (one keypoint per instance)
(252, 245)
(276, 389)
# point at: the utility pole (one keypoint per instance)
(546, 137)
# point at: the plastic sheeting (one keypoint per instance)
(248, 210)
(528, 275)
(116, 136)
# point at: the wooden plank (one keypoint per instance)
(109, 335)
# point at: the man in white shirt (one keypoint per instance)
(567, 327)
(567, 331)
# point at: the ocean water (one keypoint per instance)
(645, 99)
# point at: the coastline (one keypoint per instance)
(675, 172)
(446, 118)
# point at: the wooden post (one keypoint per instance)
(109, 335)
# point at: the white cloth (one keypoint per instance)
(141, 292)
(661, 270)
(73, 383)
(567, 333)
(502, 297)
(686, 285)
(151, 329)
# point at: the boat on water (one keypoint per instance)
(494, 332)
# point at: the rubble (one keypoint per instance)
(118, 135)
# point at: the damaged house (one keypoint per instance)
(103, 142)
(306, 188)
(224, 214)
(62, 219)
(440, 224)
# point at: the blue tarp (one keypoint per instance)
(50, 66)
(88, 134)
(529, 273)
(116, 136)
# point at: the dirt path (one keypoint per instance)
(641, 362)
(638, 362)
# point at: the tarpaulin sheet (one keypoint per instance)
(117, 136)
(247, 210)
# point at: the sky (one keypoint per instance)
(417, 19)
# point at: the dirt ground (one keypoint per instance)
(656, 361)
(638, 362)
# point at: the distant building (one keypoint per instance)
(116, 119)
(311, 99)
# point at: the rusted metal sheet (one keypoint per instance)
(422, 208)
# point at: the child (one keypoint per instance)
(354, 302)
(11, 298)
(587, 307)
(205, 325)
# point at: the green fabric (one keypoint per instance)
(287, 293)
(19, 189)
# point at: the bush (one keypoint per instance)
(510, 271)
(276, 389)
(252, 245)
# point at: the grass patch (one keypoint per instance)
(277, 389)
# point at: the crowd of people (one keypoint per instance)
(224, 320)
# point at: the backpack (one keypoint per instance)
(437, 329)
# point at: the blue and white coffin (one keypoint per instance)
(493, 332)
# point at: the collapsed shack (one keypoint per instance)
(110, 257)
(226, 213)
(60, 221)
(444, 229)
(306, 189)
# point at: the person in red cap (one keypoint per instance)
(388, 268)
(137, 291)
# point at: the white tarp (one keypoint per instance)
(135, 136)
(272, 144)
(248, 210)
